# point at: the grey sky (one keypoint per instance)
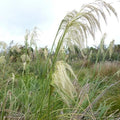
(18, 15)
(25, 14)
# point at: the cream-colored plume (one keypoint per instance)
(110, 48)
(25, 58)
(62, 82)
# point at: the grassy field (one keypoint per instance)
(56, 84)
(90, 92)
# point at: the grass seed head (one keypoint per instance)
(25, 58)
(34, 37)
(110, 48)
(102, 43)
(62, 82)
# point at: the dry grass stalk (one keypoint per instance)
(107, 68)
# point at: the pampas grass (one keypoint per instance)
(25, 58)
(52, 90)
(62, 81)
(110, 48)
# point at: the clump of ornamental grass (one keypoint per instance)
(45, 53)
(77, 25)
(32, 94)
(62, 82)
(74, 30)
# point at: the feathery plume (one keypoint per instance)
(110, 48)
(62, 82)
(102, 43)
(25, 58)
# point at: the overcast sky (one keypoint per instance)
(18, 15)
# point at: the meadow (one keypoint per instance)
(66, 82)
